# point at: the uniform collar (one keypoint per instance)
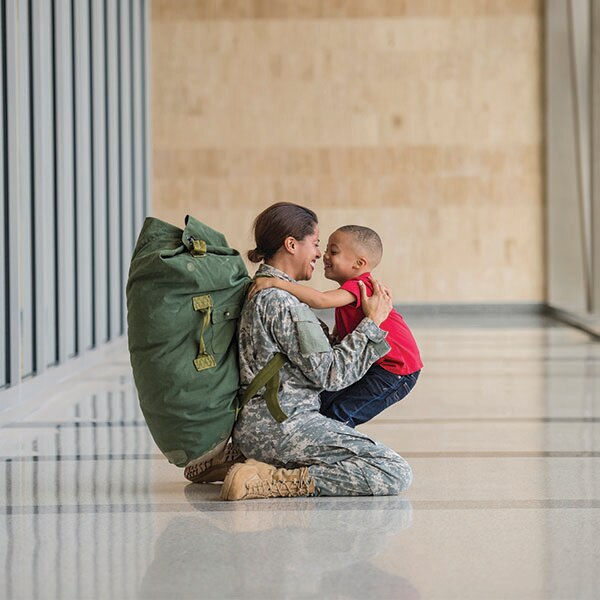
(269, 271)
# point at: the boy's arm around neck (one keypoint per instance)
(315, 298)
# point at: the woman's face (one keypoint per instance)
(306, 256)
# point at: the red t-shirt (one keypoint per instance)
(404, 357)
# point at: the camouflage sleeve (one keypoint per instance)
(298, 334)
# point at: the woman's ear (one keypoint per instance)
(290, 244)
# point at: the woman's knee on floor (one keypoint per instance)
(392, 478)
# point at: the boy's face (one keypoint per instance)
(340, 260)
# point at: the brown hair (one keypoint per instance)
(367, 239)
(277, 222)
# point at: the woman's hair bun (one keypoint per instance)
(255, 255)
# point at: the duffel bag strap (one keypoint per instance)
(204, 360)
(268, 376)
(198, 247)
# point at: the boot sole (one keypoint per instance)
(214, 473)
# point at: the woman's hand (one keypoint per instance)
(261, 283)
(379, 305)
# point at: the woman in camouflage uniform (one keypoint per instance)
(308, 453)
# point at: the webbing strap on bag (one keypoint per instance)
(268, 376)
(204, 360)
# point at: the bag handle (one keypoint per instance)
(268, 376)
(204, 360)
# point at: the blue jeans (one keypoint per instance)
(366, 398)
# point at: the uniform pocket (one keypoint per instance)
(311, 337)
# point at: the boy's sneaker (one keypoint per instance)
(215, 468)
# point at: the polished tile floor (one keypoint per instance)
(502, 430)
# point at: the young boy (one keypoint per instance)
(352, 253)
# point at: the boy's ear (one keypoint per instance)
(360, 262)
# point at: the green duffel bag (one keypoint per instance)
(184, 295)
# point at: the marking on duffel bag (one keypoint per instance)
(204, 360)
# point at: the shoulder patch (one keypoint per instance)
(302, 312)
(311, 336)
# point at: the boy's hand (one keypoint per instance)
(261, 283)
(379, 305)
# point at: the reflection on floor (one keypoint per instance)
(502, 430)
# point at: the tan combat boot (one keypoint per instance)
(207, 470)
(254, 479)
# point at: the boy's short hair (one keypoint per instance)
(367, 239)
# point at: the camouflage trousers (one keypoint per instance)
(343, 461)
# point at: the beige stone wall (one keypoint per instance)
(421, 119)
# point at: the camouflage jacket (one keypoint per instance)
(276, 321)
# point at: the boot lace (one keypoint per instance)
(281, 488)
